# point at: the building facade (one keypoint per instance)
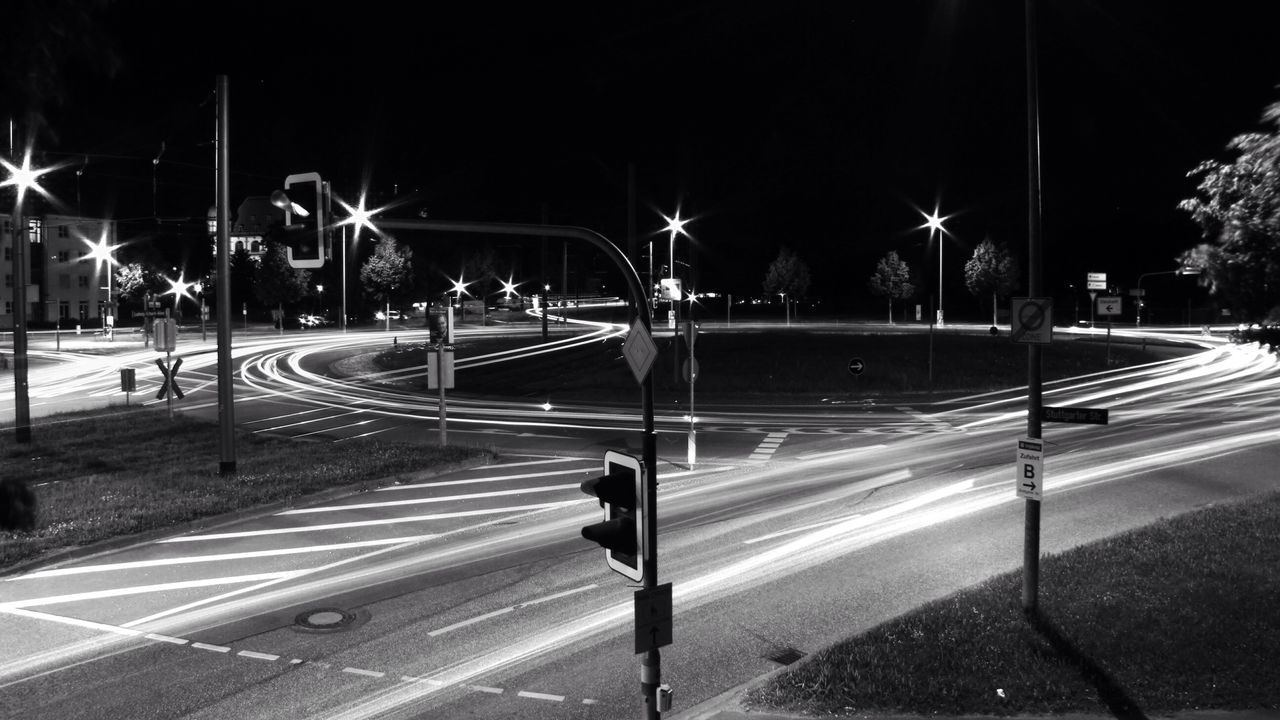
(64, 282)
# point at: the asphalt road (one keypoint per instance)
(471, 594)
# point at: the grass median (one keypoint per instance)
(121, 471)
(1176, 616)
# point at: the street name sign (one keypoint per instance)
(1109, 304)
(1031, 321)
(1079, 415)
(1029, 468)
(1097, 281)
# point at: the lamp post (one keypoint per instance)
(103, 253)
(674, 226)
(320, 289)
(358, 217)
(934, 222)
(22, 178)
(1141, 303)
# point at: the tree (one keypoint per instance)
(243, 270)
(388, 271)
(1238, 209)
(133, 281)
(991, 271)
(276, 282)
(892, 279)
(788, 276)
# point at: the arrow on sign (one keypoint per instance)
(1027, 485)
(1110, 307)
(856, 366)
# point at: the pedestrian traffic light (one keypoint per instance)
(621, 493)
(304, 219)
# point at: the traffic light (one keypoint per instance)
(621, 493)
(305, 219)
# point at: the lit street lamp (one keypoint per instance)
(22, 178)
(103, 253)
(934, 222)
(359, 217)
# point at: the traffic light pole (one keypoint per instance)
(651, 663)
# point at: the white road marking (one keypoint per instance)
(368, 523)
(366, 673)
(504, 611)
(211, 648)
(258, 656)
(485, 689)
(540, 696)
(166, 638)
(422, 501)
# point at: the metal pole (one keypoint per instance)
(693, 433)
(344, 278)
(651, 663)
(226, 391)
(21, 396)
(444, 417)
(1031, 543)
(940, 323)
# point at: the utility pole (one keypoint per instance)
(226, 391)
(1031, 541)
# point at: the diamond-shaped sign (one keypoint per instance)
(639, 350)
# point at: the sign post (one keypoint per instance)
(166, 332)
(440, 377)
(1108, 306)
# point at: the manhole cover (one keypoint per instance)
(324, 619)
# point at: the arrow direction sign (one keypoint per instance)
(1109, 305)
(1029, 468)
(653, 618)
(856, 366)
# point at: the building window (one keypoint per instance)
(82, 256)
(8, 281)
(256, 248)
(64, 281)
(64, 255)
(63, 231)
(8, 307)
(8, 230)
(8, 254)
(35, 230)
(84, 310)
(64, 310)
(84, 281)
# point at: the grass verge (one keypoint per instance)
(778, 362)
(124, 470)
(1176, 616)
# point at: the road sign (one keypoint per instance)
(170, 382)
(856, 366)
(1032, 321)
(639, 350)
(670, 288)
(653, 618)
(1137, 292)
(1109, 304)
(445, 371)
(166, 332)
(1029, 468)
(1078, 415)
(1097, 281)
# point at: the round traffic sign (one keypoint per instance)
(856, 366)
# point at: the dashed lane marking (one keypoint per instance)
(271, 657)
(504, 611)
(768, 446)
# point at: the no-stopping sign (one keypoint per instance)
(1032, 321)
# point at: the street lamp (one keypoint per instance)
(934, 222)
(1141, 303)
(103, 253)
(359, 217)
(320, 289)
(22, 178)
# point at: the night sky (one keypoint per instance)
(821, 126)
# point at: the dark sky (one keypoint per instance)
(821, 126)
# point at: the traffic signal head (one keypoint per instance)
(620, 491)
(304, 219)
